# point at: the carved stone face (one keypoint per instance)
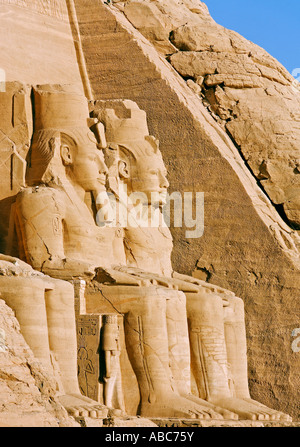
(149, 175)
(86, 164)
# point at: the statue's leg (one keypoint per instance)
(208, 349)
(63, 345)
(235, 334)
(26, 297)
(178, 341)
(180, 355)
(147, 343)
(236, 345)
(46, 325)
(62, 333)
(210, 330)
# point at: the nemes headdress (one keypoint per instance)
(59, 107)
(58, 111)
(126, 129)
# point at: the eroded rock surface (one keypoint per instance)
(248, 92)
(27, 391)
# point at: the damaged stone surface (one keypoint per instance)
(27, 390)
(41, 21)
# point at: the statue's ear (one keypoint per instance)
(123, 169)
(66, 154)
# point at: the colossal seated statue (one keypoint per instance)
(59, 237)
(44, 307)
(173, 324)
(215, 316)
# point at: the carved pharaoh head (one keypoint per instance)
(63, 144)
(132, 154)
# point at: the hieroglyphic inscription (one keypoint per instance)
(88, 340)
(98, 356)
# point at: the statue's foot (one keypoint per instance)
(78, 405)
(248, 409)
(175, 406)
(274, 414)
(228, 415)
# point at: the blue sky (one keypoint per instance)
(272, 24)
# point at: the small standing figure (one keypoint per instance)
(113, 394)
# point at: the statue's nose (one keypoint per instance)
(102, 167)
(164, 182)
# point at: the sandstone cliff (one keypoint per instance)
(227, 117)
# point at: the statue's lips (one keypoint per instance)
(163, 194)
(102, 181)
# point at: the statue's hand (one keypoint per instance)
(152, 279)
(191, 280)
(117, 276)
(185, 280)
(14, 266)
(68, 269)
(201, 283)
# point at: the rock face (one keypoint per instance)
(27, 390)
(249, 93)
(227, 118)
(39, 21)
(252, 96)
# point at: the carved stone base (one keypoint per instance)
(134, 422)
(217, 423)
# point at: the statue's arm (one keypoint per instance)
(178, 281)
(40, 216)
(39, 219)
(142, 277)
(199, 282)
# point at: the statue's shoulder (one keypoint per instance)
(41, 189)
(39, 192)
(35, 196)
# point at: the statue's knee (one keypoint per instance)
(154, 297)
(22, 287)
(175, 298)
(64, 289)
(64, 286)
(144, 301)
(238, 307)
(204, 302)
